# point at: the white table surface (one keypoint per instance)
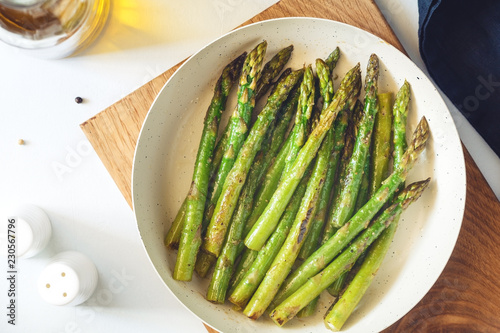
(58, 170)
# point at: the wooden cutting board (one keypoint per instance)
(466, 297)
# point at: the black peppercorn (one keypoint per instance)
(78, 99)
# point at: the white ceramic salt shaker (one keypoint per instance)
(32, 229)
(70, 278)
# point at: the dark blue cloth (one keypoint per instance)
(459, 42)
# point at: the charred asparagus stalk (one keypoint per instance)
(195, 201)
(316, 284)
(268, 220)
(223, 269)
(191, 232)
(340, 312)
(343, 207)
(325, 254)
(283, 262)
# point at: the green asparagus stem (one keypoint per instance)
(345, 234)
(336, 287)
(400, 115)
(273, 174)
(326, 90)
(267, 222)
(362, 198)
(381, 141)
(190, 238)
(239, 122)
(338, 315)
(249, 282)
(316, 284)
(204, 262)
(303, 104)
(222, 272)
(289, 151)
(345, 156)
(285, 258)
(272, 142)
(343, 207)
(364, 187)
(236, 178)
(336, 137)
(174, 232)
(304, 112)
(268, 185)
(246, 260)
(353, 128)
(269, 179)
(272, 69)
(309, 309)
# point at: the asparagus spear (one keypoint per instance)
(268, 220)
(205, 260)
(304, 112)
(239, 122)
(343, 207)
(195, 201)
(303, 104)
(335, 289)
(316, 284)
(270, 181)
(400, 115)
(226, 148)
(174, 232)
(376, 166)
(263, 259)
(311, 243)
(381, 141)
(286, 256)
(267, 187)
(326, 90)
(247, 259)
(325, 82)
(332, 59)
(236, 178)
(364, 187)
(346, 233)
(224, 267)
(312, 240)
(221, 91)
(272, 69)
(222, 272)
(287, 253)
(286, 155)
(309, 309)
(338, 315)
(353, 127)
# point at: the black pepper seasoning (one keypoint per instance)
(78, 100)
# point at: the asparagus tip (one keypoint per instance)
(414, 191)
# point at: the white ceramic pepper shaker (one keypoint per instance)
(70, 278)
(32, 229)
